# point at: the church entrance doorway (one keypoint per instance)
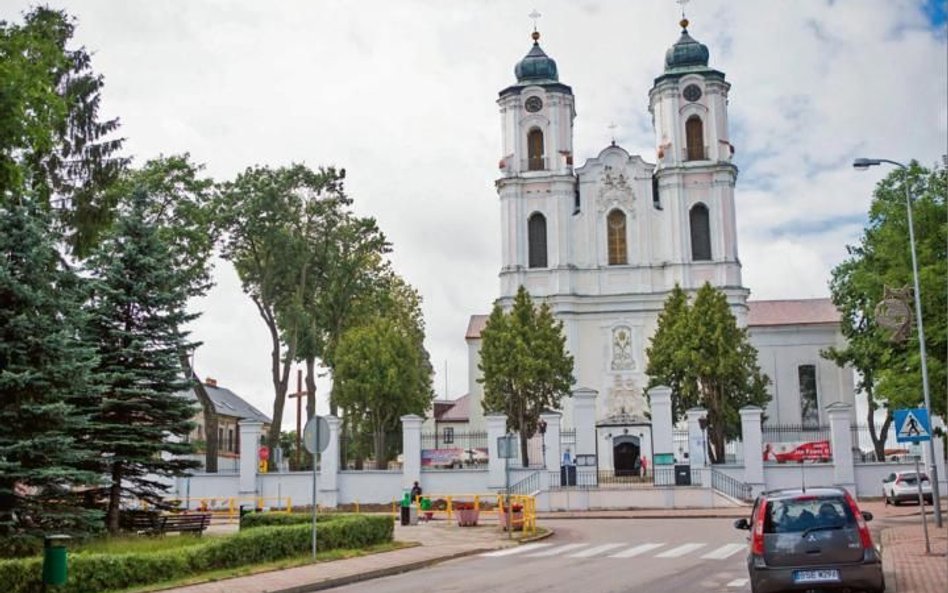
(626, 453)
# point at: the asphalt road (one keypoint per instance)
(596, 556)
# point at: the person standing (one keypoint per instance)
(416, 493)
(644, 466)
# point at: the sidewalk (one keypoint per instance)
(440, 541)
(903, 551)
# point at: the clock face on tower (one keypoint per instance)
(533, 104)
(692, 92)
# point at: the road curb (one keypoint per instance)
(376, 574)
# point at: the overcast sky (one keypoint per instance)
(402, 94)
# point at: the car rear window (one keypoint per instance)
(912, 478)
(794, 515)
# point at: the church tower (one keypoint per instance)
(536, 187)
(694, 176)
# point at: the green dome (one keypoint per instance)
(686, 53)
(536, 65)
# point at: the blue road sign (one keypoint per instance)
(912, 425)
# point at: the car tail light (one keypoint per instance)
(864, 536)
(757, 529)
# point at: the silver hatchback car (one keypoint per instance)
(811, 540)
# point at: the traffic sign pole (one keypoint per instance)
(921, 505)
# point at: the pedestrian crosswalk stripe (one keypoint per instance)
(557, 550)
(516, 550)
(737, 583)
(596, 550)
(636, 550)
(724, 551)
(680, 550)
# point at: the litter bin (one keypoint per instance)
(413, 514)
(567, 475)
(54, 559)
(682, 475)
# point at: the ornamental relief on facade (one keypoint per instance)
(615, 191)
(625, 399)
(622, 356)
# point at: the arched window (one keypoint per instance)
(535, 150)
(700, 233)
(694, 136)
(536, 235)
(615, 238)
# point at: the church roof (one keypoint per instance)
(687, 53)
(791, 312)
(475, 326)
(536, 66)
(459, 411)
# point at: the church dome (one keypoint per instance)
(687, 52)
(536, 65)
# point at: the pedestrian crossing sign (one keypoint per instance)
(912, 426)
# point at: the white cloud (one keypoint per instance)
(402, 94)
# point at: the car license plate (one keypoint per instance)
(815, 576)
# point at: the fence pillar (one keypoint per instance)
(939, 461)
(840, 417)
(752, 441)
(329, 466)
(584, 416)
(496, 428)
(250, 431)
(697, 445)
(551, 440)
(411, 450)
(663, 438)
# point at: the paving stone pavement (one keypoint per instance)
(914, 570)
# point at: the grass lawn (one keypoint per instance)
(249, 569)
(138, 543)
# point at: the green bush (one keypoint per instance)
(251, 520)
(95, 572)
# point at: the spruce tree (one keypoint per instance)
(137, 318)
(44, 371)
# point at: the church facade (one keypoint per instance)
(605, 242)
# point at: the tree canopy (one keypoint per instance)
(53, 144)
(889, 366)
(700, 352)
(526, 368)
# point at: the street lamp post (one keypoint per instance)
(863, 164)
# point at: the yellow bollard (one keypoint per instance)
(357, 506)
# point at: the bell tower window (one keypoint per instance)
(694, 137)
(535, 150)
(536, 235)
(615, 238)
(700, 233)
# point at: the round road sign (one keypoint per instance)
(316, 435)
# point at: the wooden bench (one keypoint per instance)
(184, 523)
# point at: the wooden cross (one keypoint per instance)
(299, 395)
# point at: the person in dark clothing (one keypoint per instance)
(415, 492)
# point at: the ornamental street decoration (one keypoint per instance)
(893, 313)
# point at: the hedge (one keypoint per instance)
(96, 572)
(251, 520)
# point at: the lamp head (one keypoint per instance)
(863, 164)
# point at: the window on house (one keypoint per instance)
(535, 150)
(694, 136)
(809, 400)
(230, 440)
(700, 233)
(220, 437)
(536, 235)
(615, 232)
(448, 435)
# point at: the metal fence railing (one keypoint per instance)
(449, 448)
(729, 486)
(864, 450)
(583, 478)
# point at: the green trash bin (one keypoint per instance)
(54, 559)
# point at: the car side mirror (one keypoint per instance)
(867, 515)
(742, 524)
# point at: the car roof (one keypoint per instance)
(820, 492)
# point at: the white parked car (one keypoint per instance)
(903, 486)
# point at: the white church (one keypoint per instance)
(605, 242)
